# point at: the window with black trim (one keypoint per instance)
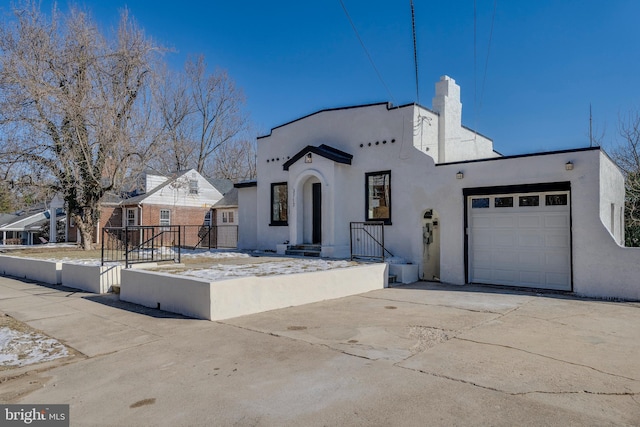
(378, 196)
(529, 201)
(503, 202)
(480, 203)
(279, 203)
(555, 199)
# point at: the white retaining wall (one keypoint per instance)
(91, 278)
(33, 269)
(246, 295)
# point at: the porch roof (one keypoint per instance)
(323, 150)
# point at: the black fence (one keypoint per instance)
(367, 241)
(160, 243)
(140, 244)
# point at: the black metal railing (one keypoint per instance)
(209, 237)
(141, 243)
(158, 243)
(367, 240)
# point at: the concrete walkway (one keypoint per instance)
(413, 355)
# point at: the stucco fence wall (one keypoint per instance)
(91, 278)
(246, 295)
(33, 269)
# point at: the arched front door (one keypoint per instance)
(311, 211)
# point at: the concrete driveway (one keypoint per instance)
(419, 354)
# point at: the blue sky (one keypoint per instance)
(547, 60)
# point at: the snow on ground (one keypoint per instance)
(25, 348)
(146, 254)
(290, 266)
(226, 271)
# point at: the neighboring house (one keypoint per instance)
(451, 204)
(25, 227)
(225, 211)
(182, 199)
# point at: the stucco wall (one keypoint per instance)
(247, 218)
(612, 194)
(91, 278)
(33, 269)
(246, 295)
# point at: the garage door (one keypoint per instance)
(520, 239)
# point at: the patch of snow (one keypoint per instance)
(25, 348)
(292, 266)
(213, 253)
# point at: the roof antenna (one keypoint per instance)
(590, 127)
(415, 49)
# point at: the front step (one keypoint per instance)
(304, 250)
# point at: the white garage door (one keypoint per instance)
(521, 240)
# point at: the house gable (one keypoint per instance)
(323, 150)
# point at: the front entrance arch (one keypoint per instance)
(309, 209)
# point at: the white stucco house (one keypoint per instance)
(450, 204)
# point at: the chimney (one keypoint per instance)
(447, 104)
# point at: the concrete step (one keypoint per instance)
(304, 250)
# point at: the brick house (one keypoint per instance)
(183, 198)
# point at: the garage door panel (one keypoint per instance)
(529, 221)
(504, 257)
(531, 239)
(483, 275)
(556, 221)
(521, 246)
(504, 221)
(556, 262)
(482, 260)
(506, 276)
(482, 222)
(530, 278)
(556, 241)
(530, 259)
(504, 238)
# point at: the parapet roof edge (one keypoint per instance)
(389, 105)
(542, 153)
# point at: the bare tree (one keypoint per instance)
(174, 104)
(72, 105)
(217, 105)
(627, 156)
(201, 113)
(237, 161)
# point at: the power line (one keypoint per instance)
(486, 62)
(415, 50)
(355, 30)
(478, 104)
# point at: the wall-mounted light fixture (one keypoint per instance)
(568, 166)
(308, 158)
(459, 175)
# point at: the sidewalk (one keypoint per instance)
(414, 355)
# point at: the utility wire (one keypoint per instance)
(478, 105)
(415, 50)
(355, 30)
(486, 62)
